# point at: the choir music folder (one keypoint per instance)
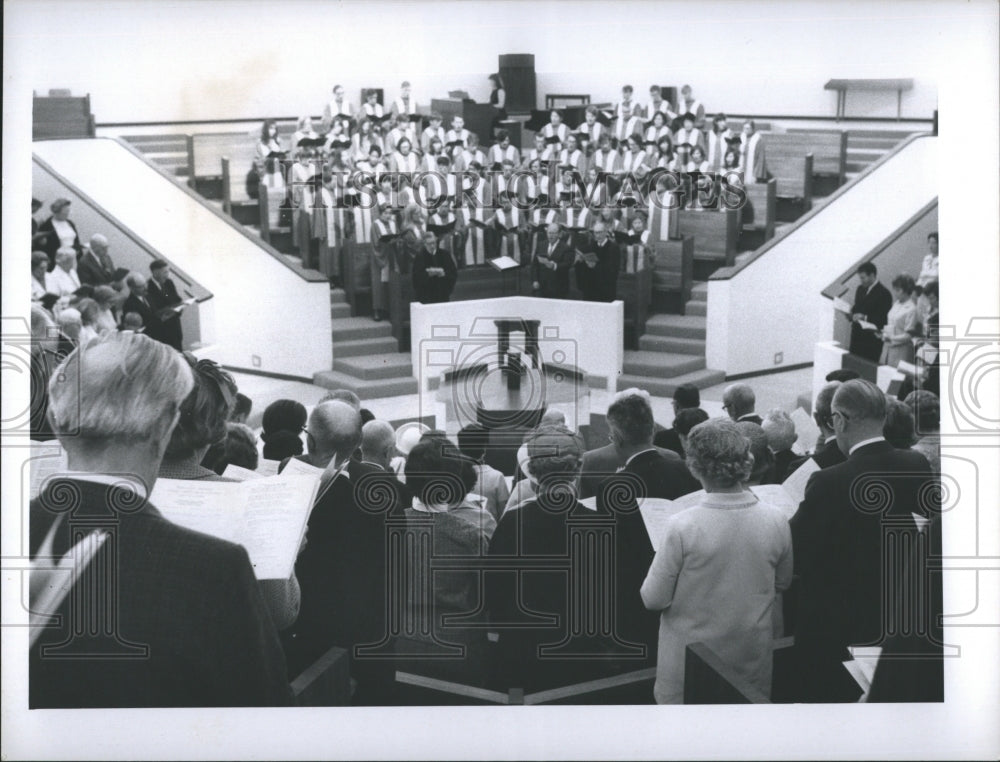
(266, 516)
(504, 263)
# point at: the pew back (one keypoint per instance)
(793, 175)
(829, 149)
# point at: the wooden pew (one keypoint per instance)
(636, 291)
(61, 116)
(715, 234)
(325, 682)
(829, 150)
(708, 680)
(793, 174)
(279, 237)
(673, 274)
(207, 151)
(760, 208)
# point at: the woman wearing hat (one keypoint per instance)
(58, 232)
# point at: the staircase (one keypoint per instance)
(865, 147)
(672, 351)
(367, 359)
(168, 152)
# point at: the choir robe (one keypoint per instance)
(631, 161)
(361, 146)
(717, 147)
(391, 140)
(575, 160)
(466, 157)
(428, 162)
(654, 134)
(635, 252)
(508, 226)
(497, 156)
(461, 136)
(575, 223)
(663, 107)
(607, 162)
(527, 187)
(692, 137)
(429, 134)
(662, 221)
(334, 109)
(752, 159)
(590, 133)
(373, 111)
(317, 234)
(383, 255)
(555, 133)
(693, 107)
(407, 107)
(546, 155)
(475, 241)
(408, 163)
(628, 120)
(597, 195)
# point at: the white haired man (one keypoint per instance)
(63, 280)
(184, 623)
(780, 432)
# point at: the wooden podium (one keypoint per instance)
(478, 116)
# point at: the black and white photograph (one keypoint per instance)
(473, 379)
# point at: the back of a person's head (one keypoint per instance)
(283, 415)
(824, 400)
(343, 395)
(104, 295)
(473, 440)
(926, 409)
(898, 429)
(335, 427)
(132, 322)
(241, 446)
(631, 420)
(780, 430)
(719, 453)
(366, 415)
(377, 438)
(860, 400)
(842, 374)
(42, 325)
(555, 453)
(762, 456)
(121, 388)
(88, 310)
(205, 411)
(282, 444)
(688, 418)
(739, 399)
(241, 408)
(553, 418)
(438, 474)
(687, 396)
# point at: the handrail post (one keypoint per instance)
(227, 197)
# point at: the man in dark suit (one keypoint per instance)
(779, 428)
(603, 462)
(95, 265)
(434, 272)
(597, 267)
(550, 266)
(738, 400)
(872, 302)
(826, 453)
(178, 615)
(686, 396)
(850, 589)
(341, 571)
(137, 301)
(166, 304)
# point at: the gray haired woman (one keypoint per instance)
(721, 562)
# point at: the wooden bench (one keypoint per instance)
(829, 150)
(843, 85)
(673, 274)
(206, 153)
(793, 174)
(760, 208)
(715, 235)
(61, 116)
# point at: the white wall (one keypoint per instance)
(461, 334)
(261, 308)
(771, 306)
(223, 59)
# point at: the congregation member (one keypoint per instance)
(931, 372)
(58, 232)
(901, 324)
(848, 596)
(434, 272)
(94, 265)
(686, 420)
(826, 453)
(63, 279)
(899, 425)
(685, 396)
(282, 425)
(89, 313)
(241, 409)
(551, 265)
(39, 269)
(719, 568)
(926, 409)
(929, 266)
(47, 351)
(166, 577)
(166, 305)
(872, 302)
(779, 428)
(739, 400)
(763, 458)
(539, 527)
(490, 483)
(598, 265)
(105, 298)
(753, 161)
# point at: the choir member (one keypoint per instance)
(571, 156)
(434, 272)
(338, 107)
(688, 133)
(605, 158)
(660, 106)
(385, 240)
(688, 104)
(719, 138)
(412, 232)
(502, 150)
(555, 132)
(373, 164)
(364, 139)
(591, 130)
(698, 161)
(664, 152)
(338, 139)
(596, 189)
(752, 159)
(270, 166)
(530, 185)
(440, 192)
(405, 105)
(473, 154)
(404, 160)
(304, 130)
(270, 142)
(542, 152)
(393, 133)
(371, 109)
(474, 214)
(634, 242)
(457, 135)
(682, 158)
(656, 130)
(433, 152)
(433, 130)
(628, 116)
(699, 166)
(635, 155)
(509, 227)
(498, 96)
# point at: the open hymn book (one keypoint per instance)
(267, 516)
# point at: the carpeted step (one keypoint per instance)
(665, 387)
(366, 389)
(376, 366)
(680, 326)
(653, 343)
(660, 364)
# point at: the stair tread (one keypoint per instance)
(379, 360)
(367, 388)
(665, 387)
(687, 321)
(653, 357)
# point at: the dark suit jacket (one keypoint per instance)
(167, 330)
(669, 439)
(875, 304)
(190, 599)
(144, 309)
(95, 270)
(826, 455)
(554, 283)
(781, 468)
(50, 242)
(605, 461)
(433, 290)
(839, 540)
(599, 284)
(663, 475)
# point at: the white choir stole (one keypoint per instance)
(636, 255)
(475, 242)
(662, 222)
(510, 245)
(362, 224)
